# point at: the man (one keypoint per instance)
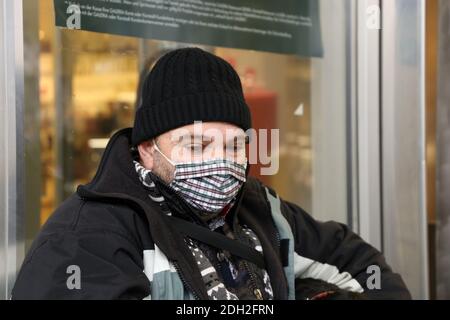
(173, 214)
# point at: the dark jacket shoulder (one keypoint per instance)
(100, 240)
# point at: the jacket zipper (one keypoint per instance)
(277, 234)
(256, 291)
(183, 280)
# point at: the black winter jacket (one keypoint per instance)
(125, 248)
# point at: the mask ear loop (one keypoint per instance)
(157, 149)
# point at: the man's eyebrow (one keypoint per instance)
(199, 137)
(193, 137)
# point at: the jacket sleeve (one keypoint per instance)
(83, 264)
(331, 252)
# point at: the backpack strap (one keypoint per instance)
(218, 240)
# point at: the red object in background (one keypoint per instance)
(263, 107)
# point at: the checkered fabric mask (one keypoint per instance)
(208, 185)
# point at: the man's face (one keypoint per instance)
(193, 143)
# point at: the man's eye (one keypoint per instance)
(236, 147)
(196, 148)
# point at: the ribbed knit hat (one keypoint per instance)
(188, 85)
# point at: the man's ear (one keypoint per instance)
(146, 150)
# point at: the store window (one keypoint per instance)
(84, 87)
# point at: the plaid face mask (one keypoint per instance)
(207, 185)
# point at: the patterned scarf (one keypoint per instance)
(237, 274)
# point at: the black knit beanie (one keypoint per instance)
(188, 85)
